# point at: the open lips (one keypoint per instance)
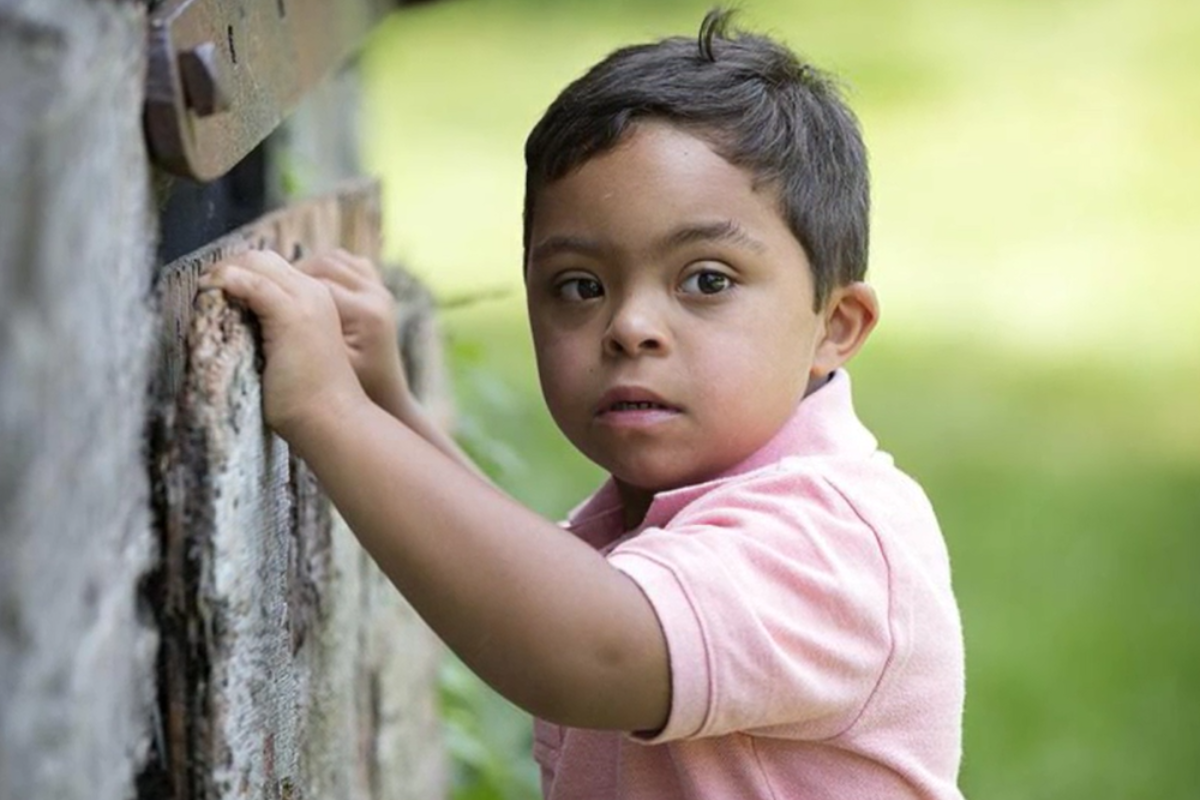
(626, 405)
(632, 399)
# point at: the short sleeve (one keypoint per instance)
(773, 596)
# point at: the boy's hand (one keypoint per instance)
(368, 323)
(307, 372)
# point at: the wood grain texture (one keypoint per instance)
(290, 666)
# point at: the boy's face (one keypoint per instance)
(671, 310)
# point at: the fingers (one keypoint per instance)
(267, 283)
(265, 296)
(262, 279)
(341, 267)
(364, 303)
(346, 300)
(363, 266)
(368, 317)
(268, 264)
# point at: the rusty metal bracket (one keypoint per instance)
(222, 74)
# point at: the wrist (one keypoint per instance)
(325, 418)
(392, 394)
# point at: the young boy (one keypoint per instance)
(757, 604)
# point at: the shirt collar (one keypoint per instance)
(824, 424)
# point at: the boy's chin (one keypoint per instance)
(655, 481)
(651, 471)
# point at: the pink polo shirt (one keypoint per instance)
(814, 640)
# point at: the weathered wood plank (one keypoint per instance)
(287, 657)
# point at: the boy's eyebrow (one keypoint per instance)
(554, 245)
(726, 231)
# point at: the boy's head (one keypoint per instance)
(695, 238)
(755, 104)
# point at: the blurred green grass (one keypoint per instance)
(1035, 231)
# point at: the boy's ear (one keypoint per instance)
(850, 315)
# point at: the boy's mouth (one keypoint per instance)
(628, 406)
(625, 399)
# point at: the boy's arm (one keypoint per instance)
(403, 406)
(536, 613)
(367, 313)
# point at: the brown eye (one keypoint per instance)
(706, 282)
(578, 289)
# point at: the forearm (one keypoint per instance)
(536, 613)
(400, 403)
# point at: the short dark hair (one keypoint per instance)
(757, 105)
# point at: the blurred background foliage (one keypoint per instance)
(1036, 173)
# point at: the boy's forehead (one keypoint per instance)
(651, 147)
(659, 181)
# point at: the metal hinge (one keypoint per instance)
(222, 74)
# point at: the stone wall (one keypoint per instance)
(181, 613)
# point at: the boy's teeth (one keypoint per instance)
(624, 406)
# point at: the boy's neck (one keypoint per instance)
(635, 503)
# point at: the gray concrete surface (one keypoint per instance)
(181, 614)
(76, 660)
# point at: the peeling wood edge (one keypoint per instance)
(183, 501)
(171, 596)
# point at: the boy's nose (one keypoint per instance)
(635, 329)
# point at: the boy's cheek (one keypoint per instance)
(556, 356)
